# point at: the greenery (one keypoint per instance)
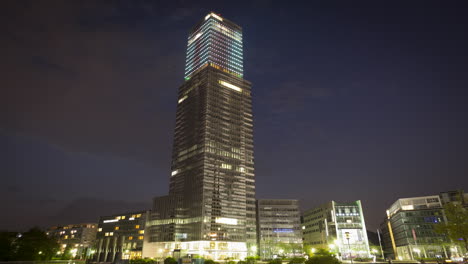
(322, 256)
(31, 245)
(170, 260)
(6, 246)
(251, 260)
(210, 261)
(456, 227)
(296, 260)
(363, 259)
(143, 261)
(275, 261)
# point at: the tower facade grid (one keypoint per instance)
(210, 209)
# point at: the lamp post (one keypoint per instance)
(347, 235)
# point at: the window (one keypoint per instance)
(140, 237)
(137, 226)
(116, 228)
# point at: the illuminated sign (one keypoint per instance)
(283, 230)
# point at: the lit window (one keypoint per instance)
(174, 172)
(111, 233)
(137, 226)
(123, 217)
(130, 238)
(226, 166)
(99, 229)
(116, 228)
(231, 86)
(138, 215)
(140, 237)
(141, 232)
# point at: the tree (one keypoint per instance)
(35, 245)
(170, 260)
(322, 256)
(6, 245)
(456, 227)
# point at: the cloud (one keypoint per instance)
(93, 86)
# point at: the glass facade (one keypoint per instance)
(338, 227)
(279, 228)
(210, 209)
(215, 41)
(408, 232)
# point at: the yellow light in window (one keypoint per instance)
(231, 86)
(141, 231)
(123, 217)
(130, 238)
(138, 215)
(137, 226)
(116, 228)
(99, 229)
(140, 237)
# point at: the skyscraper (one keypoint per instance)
(210, 209)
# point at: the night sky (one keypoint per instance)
(352, 100)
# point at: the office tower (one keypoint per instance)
(77, 239)
(210, 209)
(120, 237)
(279, 228)
(338, 227)
(408, 230)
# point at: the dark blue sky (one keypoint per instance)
(352, 100)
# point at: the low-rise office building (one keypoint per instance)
(278, 228)
(78, 239)
(408, 230)
(338, 227)
(120, 237)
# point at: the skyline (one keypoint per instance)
(397, 107)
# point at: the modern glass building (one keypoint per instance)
(279, 228)
(408, 230)
(215, 41)
(338, 227)
(210, 209)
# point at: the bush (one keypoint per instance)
(297, 260)
(210, 261)
(322, 259)
(241, 262)
(363, 259)
(142, 261)
(170, 260)
(251, 260)
(275, 261)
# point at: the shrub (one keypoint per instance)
(241, 262)
(275, 261)
(251, 260)
(297, 260)
(170, 260)
(322, 259)
(210, 261)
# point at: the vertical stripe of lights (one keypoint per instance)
(214, 43)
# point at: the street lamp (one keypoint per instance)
(347, 235)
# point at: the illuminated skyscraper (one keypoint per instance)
(210, 209)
